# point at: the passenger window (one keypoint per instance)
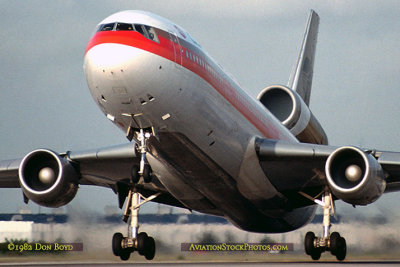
(124, 27)
(106, 27)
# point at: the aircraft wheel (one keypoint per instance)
(116, 244)
(125, 254)
(135, 174)
(309, 243)
(147, 173)
(141, 243)
(150, 248)
(316, 254)
(335, 242)
(342, 249)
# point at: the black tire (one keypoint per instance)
(116, 244)
(141, 240)
(309, 243)
(334, 241)
(150, 248)
(135, 174)
(342, 249)
(147, 173)
(316, 254)
(125, 254)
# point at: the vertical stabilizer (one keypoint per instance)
(301, 77)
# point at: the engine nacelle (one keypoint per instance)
(354, 176)
(48, 179)
(286, 105)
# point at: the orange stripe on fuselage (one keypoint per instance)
(201, 66)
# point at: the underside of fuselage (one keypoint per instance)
(216, 191)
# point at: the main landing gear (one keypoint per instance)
(135, 241)
(334, 243)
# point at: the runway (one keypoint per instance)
(202, 264)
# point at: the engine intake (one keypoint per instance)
(47, 179)
(288, 107)
(354, 176)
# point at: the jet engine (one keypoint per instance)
(48, 179)
(355, 176)
(288, 107)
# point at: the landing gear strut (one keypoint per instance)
(143, 169)
(334, 243)
(135, 241)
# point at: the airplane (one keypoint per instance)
(198, 141)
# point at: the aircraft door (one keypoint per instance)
(177, 47)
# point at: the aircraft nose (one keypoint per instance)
(114, 77)
(111, 55)
(112, 66)
(117, 77)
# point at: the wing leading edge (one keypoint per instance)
(9, 173)
(308, 168)
(90, 162)
(107, 167)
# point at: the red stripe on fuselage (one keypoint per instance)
(200, 65)
(131, 38)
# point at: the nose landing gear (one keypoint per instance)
(135, 241)
(334, 243)
(143, 169)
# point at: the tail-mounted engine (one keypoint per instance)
(355, 176)
(48, 179)
(286, 105)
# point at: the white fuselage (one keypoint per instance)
(168, 83)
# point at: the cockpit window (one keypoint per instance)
(152, 34)
(141, 29)
(144, 30)
(106, 27)
(147, 32)
(124, 27)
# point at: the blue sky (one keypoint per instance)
(44, 100)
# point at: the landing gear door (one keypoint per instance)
(177, 47)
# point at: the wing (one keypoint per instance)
(9, 173)
(301, 171)
(108, 167)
